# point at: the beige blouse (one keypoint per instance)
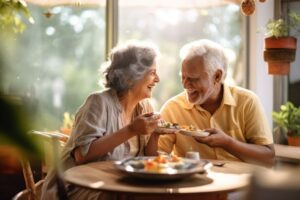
(100, 115)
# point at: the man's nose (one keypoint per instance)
(185, 83)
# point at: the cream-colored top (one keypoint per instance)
(99, 115)
(240, 115)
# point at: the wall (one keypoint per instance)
(295, 66)
(260, 82)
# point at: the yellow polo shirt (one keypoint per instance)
(240, 115)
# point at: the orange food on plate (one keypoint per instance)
(161, 163)
(175, 158)
(160, 159)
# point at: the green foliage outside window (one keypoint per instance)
(54, 63)
(57, 62)
(11, 11)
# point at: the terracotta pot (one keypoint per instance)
(294, 141)
(278, 68)
(280, 43)
(279, 53)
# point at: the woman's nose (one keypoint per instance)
(157, 79)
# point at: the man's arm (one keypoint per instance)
(252, 153)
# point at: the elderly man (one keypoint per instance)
(233, 116)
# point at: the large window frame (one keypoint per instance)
(111, 30)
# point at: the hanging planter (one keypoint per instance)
(280, 47)
(279, 53)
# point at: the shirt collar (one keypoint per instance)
(116, 99)
(227, 98)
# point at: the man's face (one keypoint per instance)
(197, 81)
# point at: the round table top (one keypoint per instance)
(106, 177)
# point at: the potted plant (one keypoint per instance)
(288, 121)
(280, 46)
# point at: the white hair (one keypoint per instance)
(128, 63)
(213, 55)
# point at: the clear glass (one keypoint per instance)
(171, 24)
(54, 63)
(294, 78)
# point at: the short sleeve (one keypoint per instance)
(257, 128)
(90, 123)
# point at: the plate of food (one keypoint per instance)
(162, 167)
(192, 131)
(167, 127)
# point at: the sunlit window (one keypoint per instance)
(171, 24)
(55, 61)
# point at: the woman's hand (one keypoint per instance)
(144, 124)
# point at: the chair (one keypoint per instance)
(53, 142)
(27, 194)
(33, 190)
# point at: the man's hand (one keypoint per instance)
(216, 138)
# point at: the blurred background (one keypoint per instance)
(53, 64)
(51, 52)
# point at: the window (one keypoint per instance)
(171, 24)
(55, 61)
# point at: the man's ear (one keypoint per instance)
(218, 76)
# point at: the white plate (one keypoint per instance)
(186, 167)
(166, 130)
(198, 133)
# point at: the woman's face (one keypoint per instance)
(197, 81)
(143, 87)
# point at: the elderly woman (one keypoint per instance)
(117, 122)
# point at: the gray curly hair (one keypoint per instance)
(127, 64)
(213, 55)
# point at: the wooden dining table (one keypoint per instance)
(215, 183)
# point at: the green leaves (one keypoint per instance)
(277, 28)
(14, 128)
(11, 16)
(281, 27)
(288, 118)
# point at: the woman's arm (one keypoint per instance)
(103, 145)
(151, 148)
(99, 147)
